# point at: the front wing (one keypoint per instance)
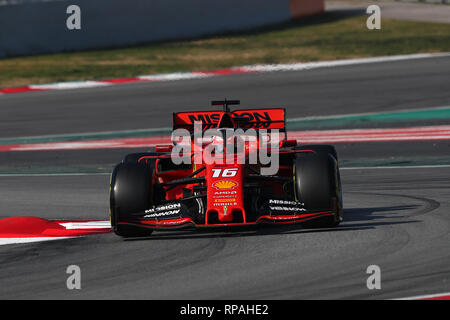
(188, 222)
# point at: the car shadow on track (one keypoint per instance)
(371, 218)
(371, 214)
(355, 219)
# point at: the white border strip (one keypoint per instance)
(437, 295)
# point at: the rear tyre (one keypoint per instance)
(131, 191)
(317, 185)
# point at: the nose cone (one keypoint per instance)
(225, 192)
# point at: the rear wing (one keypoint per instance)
(271, 118)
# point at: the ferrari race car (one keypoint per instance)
(212, 176)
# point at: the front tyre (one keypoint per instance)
(131, 191)
(317, 185)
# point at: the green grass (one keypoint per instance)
(327, 37)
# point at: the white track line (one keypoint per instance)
(69, 85)
(175, 76)
(53, 174)
(86, 225)
(337, 63)
(5, 241)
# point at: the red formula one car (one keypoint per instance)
(209, 180)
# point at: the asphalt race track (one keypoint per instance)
(397, 218)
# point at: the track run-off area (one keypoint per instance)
(390, 123)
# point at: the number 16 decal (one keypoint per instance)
(225, 173)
